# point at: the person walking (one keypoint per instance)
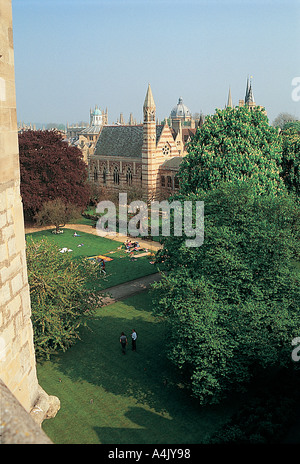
(133, 339)
(123, 341)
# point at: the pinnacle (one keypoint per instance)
(149, 100)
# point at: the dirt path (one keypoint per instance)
(121, 291)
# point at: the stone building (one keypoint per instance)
(145, 156)
(17, 356)
(88, 137)
(85, 137)
(134, 155)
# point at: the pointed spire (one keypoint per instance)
(250, 94)
(229, 101)
(149, 100)
(247, 91)
(201, 120)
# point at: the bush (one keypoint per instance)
(60, 300)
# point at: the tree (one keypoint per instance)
(282, 119)
(50, 169)
(98, 192)
(56, 212)
(232, 305)
(292, 124)
(233, 145)
(291, 159)
(60, 299)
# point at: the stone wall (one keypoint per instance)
(17, 357)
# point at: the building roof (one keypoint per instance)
(187, 133)
(124, 141)
(91, 130)
(172, 163)
(180, 110)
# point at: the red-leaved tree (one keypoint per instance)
(51, 168)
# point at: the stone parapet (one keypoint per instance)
(16, 425)
(17, 355)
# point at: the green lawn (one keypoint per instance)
(121, 269)
(110, 398)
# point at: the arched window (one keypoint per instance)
(169, 180)
(104, 175)
(163, 181)
(95, 174)
(176, 182)
(129, 176)
(116, 176)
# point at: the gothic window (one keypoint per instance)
(104, 175)
(129, 176)
(169, 181)
(163, 181)
(116, 176)
(95, 174)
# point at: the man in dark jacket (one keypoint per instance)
(123, 341)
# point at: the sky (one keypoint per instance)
(71, 55)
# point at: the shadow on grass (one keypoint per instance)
(142, 375)
(149, 428)
(139, 394)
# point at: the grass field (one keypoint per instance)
(121, 269)
(110, 398)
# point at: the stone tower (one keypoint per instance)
(17, 356)
(149, 146)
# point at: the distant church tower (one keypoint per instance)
(149, 146)
(229, 100)
(249, 97)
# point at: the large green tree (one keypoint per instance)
(233, 145)
(291, 159)
(232, 304)
(61, 299)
